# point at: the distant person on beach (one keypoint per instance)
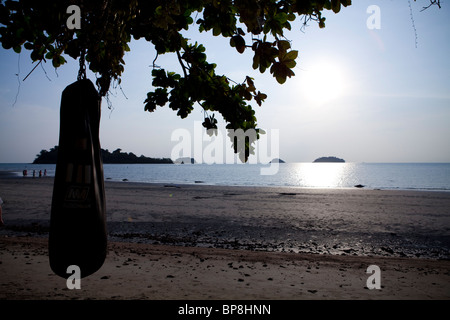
(40, 173)
(25, 173)
(45, 172)
(1, 219)
(34, 173)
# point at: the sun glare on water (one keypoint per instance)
(323, 175)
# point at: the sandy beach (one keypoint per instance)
(200, 242)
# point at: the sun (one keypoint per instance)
(322, 82)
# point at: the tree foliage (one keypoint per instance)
(108, 26)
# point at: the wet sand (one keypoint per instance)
(217, 242)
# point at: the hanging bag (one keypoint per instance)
(78, 223)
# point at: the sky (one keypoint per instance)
(362, 94)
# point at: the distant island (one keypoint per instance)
(329, 159)
(117, 156)
(277, 160)
(185, 160)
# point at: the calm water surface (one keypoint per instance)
(405, 176)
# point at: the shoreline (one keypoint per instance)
(14, 175)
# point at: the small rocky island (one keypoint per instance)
(117, 156)
(329, 159)
(185, 160)
(277, 160)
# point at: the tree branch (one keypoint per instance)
(181, 63)
(432, 2)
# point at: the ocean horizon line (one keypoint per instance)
(247, 163)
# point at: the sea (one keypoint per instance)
(385, 176)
